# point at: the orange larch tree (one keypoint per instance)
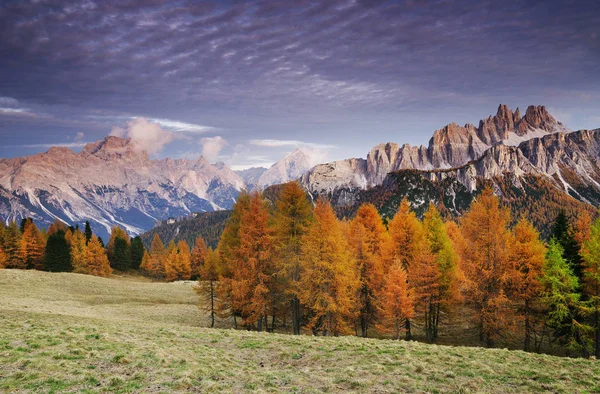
(96, 260)
(292, 220)
(153, 263)
(367, 235)
(197, 258)
(328, 286)
(486, 265)
(252, 268)
(207, 282)
(405, 243)
(177, 263)
(228, 249)
(31, 247)
(528, 254)
(395, 303)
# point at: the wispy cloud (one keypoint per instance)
(54, 144)
(175, 125)
(8, 102)
(271, 143)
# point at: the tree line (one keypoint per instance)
(63, 248)
(293, 265)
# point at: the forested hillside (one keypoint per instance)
(207, 225)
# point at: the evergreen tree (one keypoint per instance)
(57, 254)
(101, 242)
(563, 300)
(292, 219)
(563, 233)
(591, 276)
(137, 252)
(121, 255)
(88, 232)
(119, 249)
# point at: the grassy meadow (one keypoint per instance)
(77, 333)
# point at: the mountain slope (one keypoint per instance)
(111, 183)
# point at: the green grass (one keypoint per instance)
(74, 333)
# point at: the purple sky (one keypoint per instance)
(245, 82)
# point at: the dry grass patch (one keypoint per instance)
(103, 342)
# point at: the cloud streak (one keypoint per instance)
(272, 143)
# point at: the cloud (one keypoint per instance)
(8, 102)
(146, 136)
(175, 125)
(270, 143)
(56, 144)
(212, 146)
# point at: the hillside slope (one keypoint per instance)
(70, 332)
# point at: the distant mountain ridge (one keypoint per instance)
(110, 182)
(449, 147)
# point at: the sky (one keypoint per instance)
(245, 82)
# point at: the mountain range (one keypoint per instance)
(110, 182)
(528, 160)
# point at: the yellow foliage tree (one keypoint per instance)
(31, 247)
(79, 253)
(96, 260)
(177, 263)
(328, 286)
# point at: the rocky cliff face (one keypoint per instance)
(452, 146)
(111, 183)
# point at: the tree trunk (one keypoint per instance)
(407, 327)
(296, 315)
(212, 304)
(527, 342)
